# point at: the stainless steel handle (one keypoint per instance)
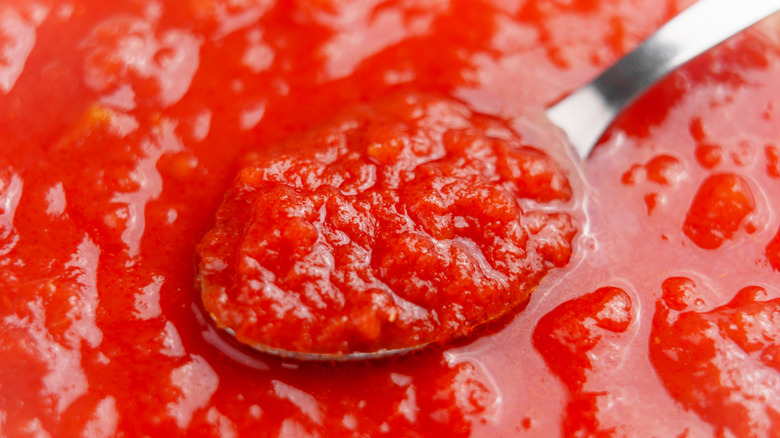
(586, 113)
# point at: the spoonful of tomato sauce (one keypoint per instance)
(413, 220)
(400, 223)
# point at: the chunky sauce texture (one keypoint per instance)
(130, 131)
(396, 225)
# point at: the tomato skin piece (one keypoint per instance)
(398, 224)
(568, 338)
(721, 363)
(719, 207)
(773, 251)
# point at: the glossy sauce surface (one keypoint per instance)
(123, 125)
(402, 223)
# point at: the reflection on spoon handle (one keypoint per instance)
(586, 113)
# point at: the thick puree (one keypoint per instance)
(640, 299)
(404, 223)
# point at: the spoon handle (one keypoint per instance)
(586, 113)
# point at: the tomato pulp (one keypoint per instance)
(403, 223)
(123, 125)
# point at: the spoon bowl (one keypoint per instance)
(587, 112)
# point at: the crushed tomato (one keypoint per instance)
(398, 224)
(123, 126)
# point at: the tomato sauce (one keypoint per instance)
(123, 125)
(404, 223)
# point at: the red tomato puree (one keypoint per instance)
(393, 226)
(332, 177)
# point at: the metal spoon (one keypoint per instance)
(586, 113)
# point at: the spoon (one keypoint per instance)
(587, 112)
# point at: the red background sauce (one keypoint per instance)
(123, 124)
